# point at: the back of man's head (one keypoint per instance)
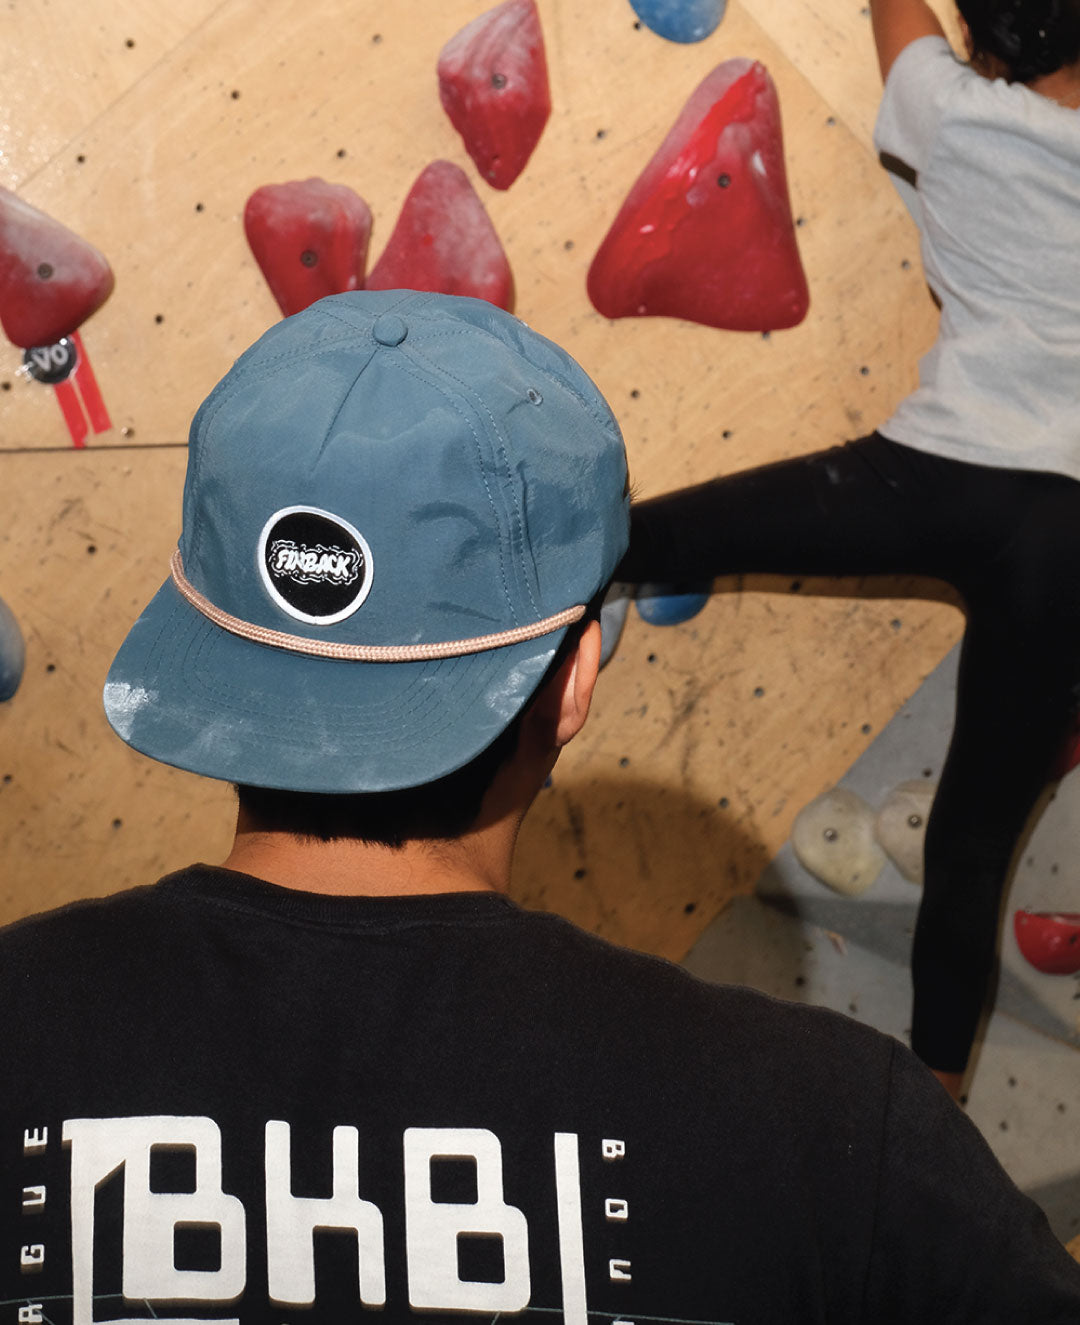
(397, 504)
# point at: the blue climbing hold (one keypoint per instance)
(670, 604)
(613, 612)
(681, 20)
(12, 652)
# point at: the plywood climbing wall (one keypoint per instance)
(145, 126)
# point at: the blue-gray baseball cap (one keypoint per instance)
(396, 505)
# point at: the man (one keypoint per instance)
(343, 1073)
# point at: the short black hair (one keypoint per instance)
(443, 809)
(1031, 38)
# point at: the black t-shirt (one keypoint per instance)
(222, 1100)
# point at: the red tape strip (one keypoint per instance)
(86, 382)
(72, 411)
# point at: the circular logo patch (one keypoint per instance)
(51, 364)
(315, 565)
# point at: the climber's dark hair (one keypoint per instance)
(1031, 38)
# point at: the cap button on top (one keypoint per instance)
(389, 329)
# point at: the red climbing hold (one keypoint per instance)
(51, 281)
(493, 83)
(1050, 940)
(310, 239)
(706, 232)
(444, 242)
(1069, 756)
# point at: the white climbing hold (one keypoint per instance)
(833, 837)
(901, 826)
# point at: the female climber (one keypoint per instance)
(974, 480)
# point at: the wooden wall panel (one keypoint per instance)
(686, 780)
(63, 63)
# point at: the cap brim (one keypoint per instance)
(190, 694)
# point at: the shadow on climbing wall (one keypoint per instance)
(631, 859)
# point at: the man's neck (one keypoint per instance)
(479, 861)
(1062, 86)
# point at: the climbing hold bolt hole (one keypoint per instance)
(765, 335)
(309, 257)
(905, 265)
(601, 133)
(5, 386)
(50, 667)
(130, 43)
(199, 207)
(759, 691)
(651, 658)
(866, 729)
(7, 777)
(796, 585)
(159, 318)
(690, 908)
(235, 94)
(376, 39)
(45, 271)
(637, 26)
(118, 823)
(914, 820)
(624, 762)
(831, 121)
(579, 874)
(635, 394)
(830, 834)
(800, 221)
(80, 158)
(340, 152)
(535, 398)
(928, 772)
(498, 80)
(864, 371)
(724, 181)
(90, 549)
(568, 245)
(726, 434)
(723, 802)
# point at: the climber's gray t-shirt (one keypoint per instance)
(997, 203)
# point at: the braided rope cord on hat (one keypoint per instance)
(365, 652)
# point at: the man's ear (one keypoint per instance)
(576, 684)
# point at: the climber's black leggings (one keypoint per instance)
(1009, 541)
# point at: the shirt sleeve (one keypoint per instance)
(923, 78)
(954, 1239)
